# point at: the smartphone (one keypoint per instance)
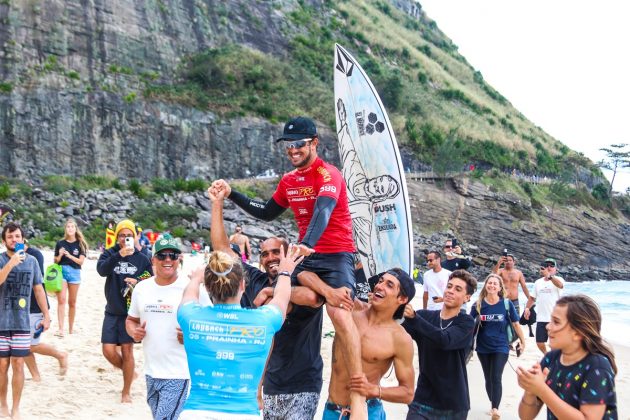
(19, 247)
(454, 242)
(518, 350)
(505, 252)
(435, 297)
(129, 243)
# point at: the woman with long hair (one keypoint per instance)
(495, 312)
(576, 379)
(226, 345)
(70, 253)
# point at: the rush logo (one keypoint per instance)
(384, 207)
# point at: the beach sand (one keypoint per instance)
(91, 388)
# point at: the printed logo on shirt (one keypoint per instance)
(492, 317)
(75, 252)
(300, 192)
(302, 211)
(328, 188)
(324, 173)
(160, 308)
(125, 267)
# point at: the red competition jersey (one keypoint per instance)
(299, 189)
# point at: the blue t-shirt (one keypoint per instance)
(227, 347)
(492, 336)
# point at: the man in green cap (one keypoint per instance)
(152, 320)
(546, 292)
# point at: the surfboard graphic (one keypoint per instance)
(373, 171)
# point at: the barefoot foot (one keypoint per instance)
(126, 399)
(63, 363)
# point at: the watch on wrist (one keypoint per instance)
(284, 273)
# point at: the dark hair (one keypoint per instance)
(584, 316)
(401, 292)
(223, 276)
(11, 227)
(436, 254)
(471, 281)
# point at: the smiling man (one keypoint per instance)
(152, 319)
(317, 194)
(383, 343)
(443, 338)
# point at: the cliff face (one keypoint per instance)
(74, 67)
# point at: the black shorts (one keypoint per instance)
(541, 332)
(114, 331)
(336, 270)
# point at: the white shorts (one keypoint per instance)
(215, 415)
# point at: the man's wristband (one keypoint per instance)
(284, 273)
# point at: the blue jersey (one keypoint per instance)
(227, 347)
(492, 337)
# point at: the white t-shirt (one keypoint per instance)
(164, 357)
(435, 284)
(546, 294)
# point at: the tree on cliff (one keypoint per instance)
(617, 157)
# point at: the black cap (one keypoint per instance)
(298, 128)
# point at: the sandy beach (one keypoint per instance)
(91, 388)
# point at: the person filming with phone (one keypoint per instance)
(123, 265)
(495, 312)
(455, 258)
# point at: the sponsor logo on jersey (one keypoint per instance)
(328, 188)
(324, 173)
(302, 211)
(300, 191)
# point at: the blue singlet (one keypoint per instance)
(227, 347)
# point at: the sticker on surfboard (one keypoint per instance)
(373, 171)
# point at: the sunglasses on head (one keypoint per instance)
(164, 255)
(297, 144)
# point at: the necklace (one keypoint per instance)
(447, 325)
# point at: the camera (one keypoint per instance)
(129, 242)
(454, 242)
(505, 253)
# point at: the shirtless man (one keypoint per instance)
(240, 239)
(383, 342)
(511, 279)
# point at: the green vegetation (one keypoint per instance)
(5, 191)
(6, 87)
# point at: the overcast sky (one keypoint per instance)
(564, 64)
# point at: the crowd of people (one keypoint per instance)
(239, 341)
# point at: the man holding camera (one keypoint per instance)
(455, 260)
(19, 275)
(123, 265)
(546, 292)
(511, 278)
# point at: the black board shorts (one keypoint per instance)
(335, 269)
(114, 331)
(541, 332)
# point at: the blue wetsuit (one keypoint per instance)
(227, 347)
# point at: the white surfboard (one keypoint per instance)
(373, 171)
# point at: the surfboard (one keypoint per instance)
(373, 171)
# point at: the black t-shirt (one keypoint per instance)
(456, 264)
(589, 381)
(73, 248)
(35, 309)
(295, 364)
(442, 348)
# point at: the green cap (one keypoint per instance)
(166, 241)
(550, 261)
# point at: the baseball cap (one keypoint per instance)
(549, 261)
(298, 128)
(166, 241)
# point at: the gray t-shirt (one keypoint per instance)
(15, 293)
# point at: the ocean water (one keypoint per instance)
(613, 298)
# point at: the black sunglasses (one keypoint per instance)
(164, 255)
(298, 144)
(548, 265)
